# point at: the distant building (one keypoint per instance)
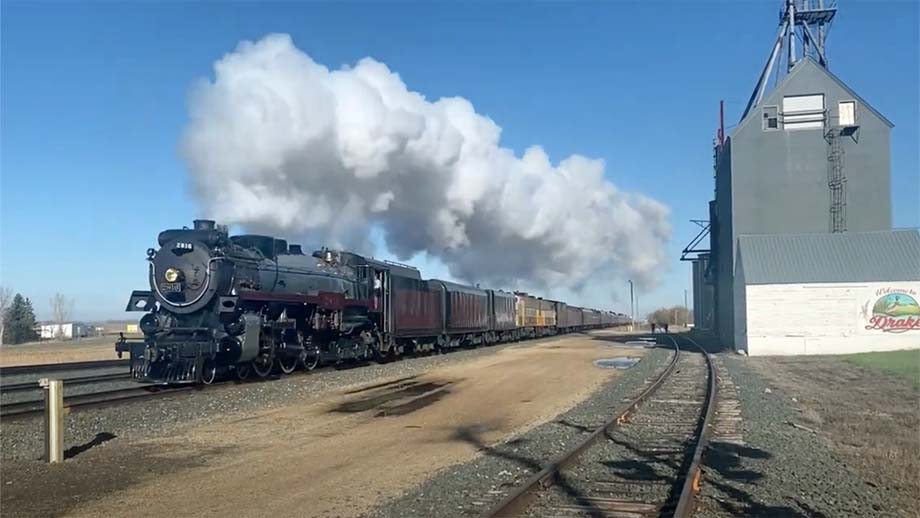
(66, 331)
(827, 293)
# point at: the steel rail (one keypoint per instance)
(81, 380)
(520, 498)
(57, 367)
(687, 499)
(36, 407)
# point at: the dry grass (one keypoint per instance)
(869, 417)
(86, 349)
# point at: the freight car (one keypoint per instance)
(223, 305)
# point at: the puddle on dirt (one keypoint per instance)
(642, 342)
(622, 362)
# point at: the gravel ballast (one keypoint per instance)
(781, 469)
(469, 489)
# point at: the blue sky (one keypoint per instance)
(94, 100)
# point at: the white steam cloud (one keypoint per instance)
(279, 143)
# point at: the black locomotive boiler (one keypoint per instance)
(246, 303)
(222, 305)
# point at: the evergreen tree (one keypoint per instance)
(19, 321)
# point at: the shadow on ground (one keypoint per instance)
(738, 483)
(706, 339)
(470, 435)
(99, 439)
(395, 398)
(645, 466)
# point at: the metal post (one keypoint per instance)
(632, 307)
(54, 419)
(637, 307)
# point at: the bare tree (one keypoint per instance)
(61, 308)
(6, 295)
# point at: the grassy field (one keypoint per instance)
(904, 364)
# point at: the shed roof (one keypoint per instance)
(849, 257)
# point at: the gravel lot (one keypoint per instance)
(22, 439)
(237, 440)
(471, 488)
(786, 471)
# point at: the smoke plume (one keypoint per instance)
(279, 143)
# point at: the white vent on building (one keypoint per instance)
(803, 112)
(846, 111)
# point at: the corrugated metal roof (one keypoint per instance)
(848, 257)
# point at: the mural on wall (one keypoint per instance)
(892, 310)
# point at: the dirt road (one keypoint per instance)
(340, 455)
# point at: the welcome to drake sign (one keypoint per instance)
(891, 310)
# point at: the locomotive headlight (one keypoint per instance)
(171, 275)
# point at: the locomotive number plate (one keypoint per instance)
(170, 287)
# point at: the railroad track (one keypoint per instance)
(57, 367)
(643, 462)
(21, 409)
(79, 380)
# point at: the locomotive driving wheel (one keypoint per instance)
(311, 356)
(209, 371)
(262, 366)
(242, 371)
(287, 364)
(310, 361)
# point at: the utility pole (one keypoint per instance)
(632, 306)
(686, 310)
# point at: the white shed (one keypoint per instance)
(827, 293)
(65, 331)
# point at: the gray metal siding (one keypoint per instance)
(697, 279)
(775, 182)
(722, 246)
(823, 258)
(779, 178)
(702, 294)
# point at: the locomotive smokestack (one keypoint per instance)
(204, 224)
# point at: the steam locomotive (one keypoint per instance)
(221, 305)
